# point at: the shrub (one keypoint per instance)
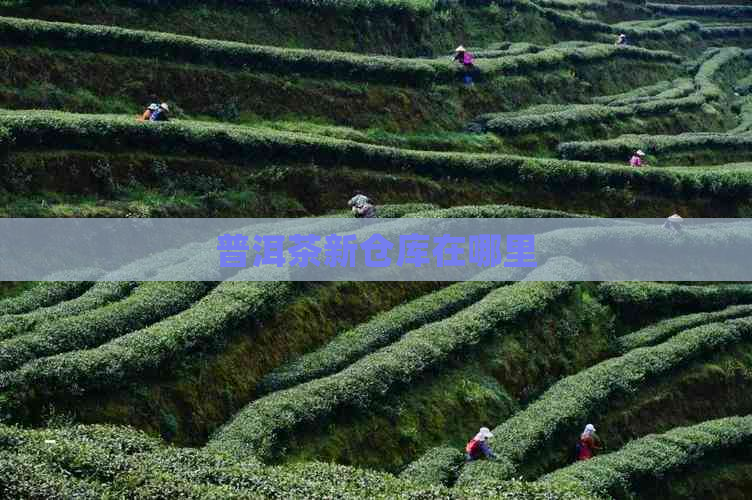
(149, 303)
(44, 294)
(731, 11)
(260, 428)
(328, 64)
(382, 330)
(97, 296)
(61, 130)
(145, 351)
(661, 331)
(572, 400)
(655, 455)
(439, 466)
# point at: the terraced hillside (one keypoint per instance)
(281, 389)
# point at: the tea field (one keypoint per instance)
(351, 390)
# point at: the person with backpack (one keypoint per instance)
(362, 207)
(467, 59)
(148, 112)
(161, 114)
(589, 443)
(637, 159)
(478, 446)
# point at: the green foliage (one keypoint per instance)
(45, 294)
(260, 428)
(149, 303)
(731, 11)
(655, 455)
(329, 64)
(635, 300)
(62, 130)
(208, 323)
(439, 466)
(382, 330)
(568, 404)
(93, 462)
(97, 296)
(659, 332)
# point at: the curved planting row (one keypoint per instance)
(648, 300)
(351, 345)
(675, 99)
(662, 330)
(681, 87)
(666, 147)
(143, 352)
(330, 64)
(32, 130)
(149, 303)
(572, 400)
(260, 429)
(44, 294)
(94, 462)
(97, 296)
(653, 456)
(730, 11)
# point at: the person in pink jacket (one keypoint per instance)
(637, 159)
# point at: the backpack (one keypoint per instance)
(468, 59)
(473, 447)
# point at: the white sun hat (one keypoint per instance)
(164, 106)
(676, 218)
(484, 433)
(460, 49)
(640, 152)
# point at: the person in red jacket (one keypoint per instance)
(589, 443)
(478, 446)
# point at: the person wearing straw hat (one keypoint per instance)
(478, 446)
(161, 114)
(674, 222)
(466, 58)
(621, 41)
(638, 159)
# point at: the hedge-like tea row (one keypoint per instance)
(630, 299)
(657, 145)
(35, 130)
(560, 117)
(582, 114)
(440, 466)
(319, 63)
(572, 400)
(149, 303)
(732, 11)
(655, 455)
(260, 428)
(94, 462)
(114, 364)
(97, 296)
(662, 330)
(681, 87)
(44, 294)
(349, 346)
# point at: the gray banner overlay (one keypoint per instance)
(492, 249)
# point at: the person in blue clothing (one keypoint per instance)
(161, 114)
(478, 446)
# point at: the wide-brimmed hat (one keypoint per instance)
(640, 152)
(676, 218)
(484, 433)
(153, 106)
(164, 106)
(622, 36)
(460, 49)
